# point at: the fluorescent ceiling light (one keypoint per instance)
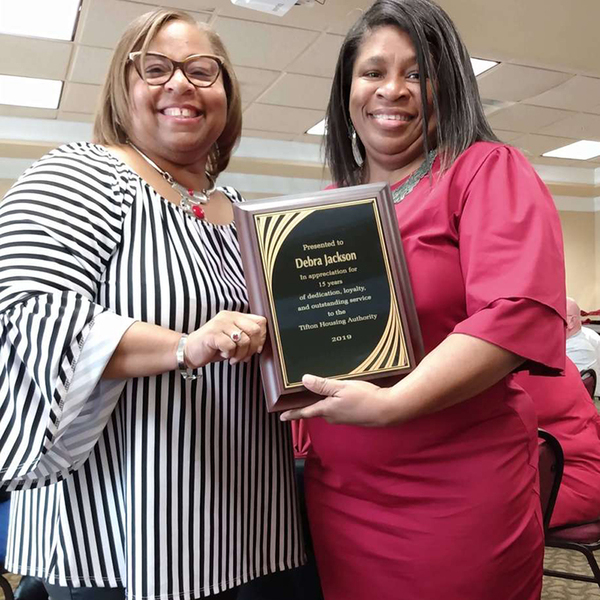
(582, 150)
(318, 129)
(53, 19)
(27, 91)
(481, 66)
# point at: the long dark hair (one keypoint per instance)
(442, 58)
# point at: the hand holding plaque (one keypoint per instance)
(327, 270)
(344, 401)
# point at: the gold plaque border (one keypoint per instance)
(272, 233)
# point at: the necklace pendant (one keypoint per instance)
(198, 211)
(190, 194)
(193, 209)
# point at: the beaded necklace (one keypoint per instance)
(409, 185)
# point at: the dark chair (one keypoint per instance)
(588, 376)
(4, 509)
(551, 463)
(582, 537)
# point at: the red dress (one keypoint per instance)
(565, 409)
(447, 505)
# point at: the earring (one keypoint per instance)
(358, 159)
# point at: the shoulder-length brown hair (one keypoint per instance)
(113, 118)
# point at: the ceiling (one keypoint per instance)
(544, 94)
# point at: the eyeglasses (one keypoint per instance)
(201, 70)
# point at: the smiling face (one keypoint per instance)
(177, 121)
(385, 100)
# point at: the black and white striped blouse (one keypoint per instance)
(169, 488)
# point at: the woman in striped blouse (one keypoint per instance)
(132, 426)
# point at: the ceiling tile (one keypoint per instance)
(309, 139)
(80, 98)
(252, 44)
(25, 111)
(302, 91)
(535, 145)
(515, 83)
(526, 119)
(553, 34)
(33, 57)
(579, 93)
(320, 58)
(254, 82)
(279, 118)
(333, 15)
(579, 126)
(90, 64)
(507, 137)
(491, 106)
(102, 22)
(342, 25)
(187, 5)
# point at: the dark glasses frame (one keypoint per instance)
(175, 64)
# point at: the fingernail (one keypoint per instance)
(260, 349)
(283, 417)
(308, 379)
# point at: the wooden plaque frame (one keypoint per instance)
(261, 245)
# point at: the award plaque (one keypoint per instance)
(327, 270)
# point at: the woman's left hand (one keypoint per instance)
(347, 402)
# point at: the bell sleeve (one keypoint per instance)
(59, 226)
(511, 253)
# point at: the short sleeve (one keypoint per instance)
(511, 254)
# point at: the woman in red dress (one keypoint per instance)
(427, 489)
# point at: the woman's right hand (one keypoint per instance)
(214, 341)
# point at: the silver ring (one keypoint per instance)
(236, 336)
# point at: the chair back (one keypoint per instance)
(588, 376)
(551, 464)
